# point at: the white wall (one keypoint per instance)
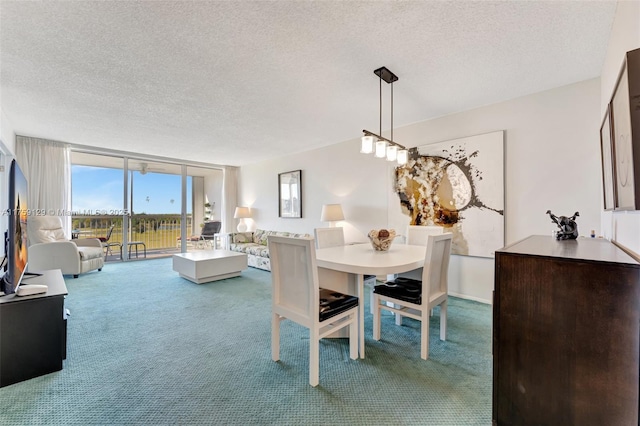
(335, 174)
(7, 135)
(197, 205)
(552, 154)
(7, 150)
(551, 161)
(622, 227)
(213, 189)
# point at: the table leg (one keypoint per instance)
(360, 286)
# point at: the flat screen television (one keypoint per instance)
(16, 236)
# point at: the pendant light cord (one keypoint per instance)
(380, 105)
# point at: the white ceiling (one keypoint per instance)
(235, 82)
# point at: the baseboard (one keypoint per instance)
(475, 299)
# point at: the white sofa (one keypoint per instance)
(49, 249)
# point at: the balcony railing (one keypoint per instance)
(157, 232)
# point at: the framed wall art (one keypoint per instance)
(606, 151)
(290, 194)
(625, 125)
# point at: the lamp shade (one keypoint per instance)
(392, 152)
(331, 213)
(381, 149)
(367, 145)
(402, 156)
(242, 213)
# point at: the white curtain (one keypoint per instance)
(229, 198)
(47, 167)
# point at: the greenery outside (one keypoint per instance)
(157, 231)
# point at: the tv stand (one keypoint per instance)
(33, 331)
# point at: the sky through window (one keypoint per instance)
(97, 189)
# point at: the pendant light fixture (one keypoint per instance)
(382, 147)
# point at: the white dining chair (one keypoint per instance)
(417, 234)
(297, 296)
(333, 237)
(329, 237)
(414, 298)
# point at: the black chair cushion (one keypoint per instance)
(401, 288)
(332, 303)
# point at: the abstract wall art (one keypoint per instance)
(459, 185)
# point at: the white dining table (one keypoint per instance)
(342, 268)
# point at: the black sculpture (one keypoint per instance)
(568, 226)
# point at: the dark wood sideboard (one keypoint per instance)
(566, 333)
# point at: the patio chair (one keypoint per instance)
(207, 234)
(209, 230)
(107, 245)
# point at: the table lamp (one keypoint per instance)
(242, 213)
(331, 213)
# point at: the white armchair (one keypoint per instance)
(49, 249)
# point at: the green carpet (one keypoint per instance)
(146, 347)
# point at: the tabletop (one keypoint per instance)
(363, 259)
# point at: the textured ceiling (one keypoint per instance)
(237, 82)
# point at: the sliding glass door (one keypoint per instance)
(97, 206)
(155, 207)
(149, 208)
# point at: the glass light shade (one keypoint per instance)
(402, 157)
(331, 213)
(392, 152)
(242, 213)
(381, 149)
(367, 145)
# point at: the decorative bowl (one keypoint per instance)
(381, 239)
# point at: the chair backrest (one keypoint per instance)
(329, 237)
(294, 278)
(109, 232)
(417, 234)
(45, 229)
(435, 273)
(211, 228)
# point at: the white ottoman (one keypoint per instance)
(209, 265)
